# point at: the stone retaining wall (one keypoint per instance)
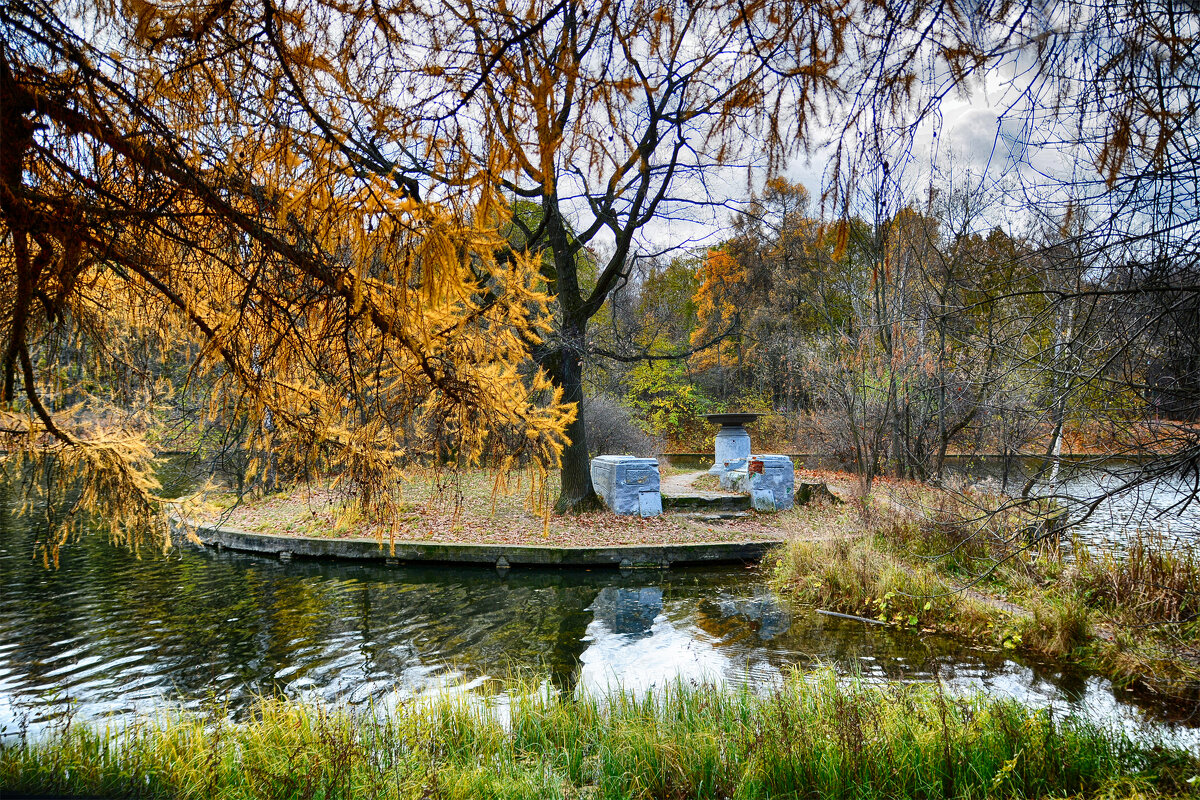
(499, 555)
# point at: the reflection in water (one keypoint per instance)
(763, 614)
(110, 634)
(628, 611)
(669, 651)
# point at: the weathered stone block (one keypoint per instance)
(735, 480)
(777, 475)
(763, 501)
(621, 480)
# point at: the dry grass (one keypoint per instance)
(908, 554)
(472, 507)
(854, 575)
(1148, 604)
(1152, 583)
(1057, 626)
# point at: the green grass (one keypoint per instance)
(814, 737)
(855, 576)
(905, 559)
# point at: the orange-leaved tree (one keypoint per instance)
(720, 300)
(184, 173)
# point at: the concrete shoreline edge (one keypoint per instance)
(502, 556)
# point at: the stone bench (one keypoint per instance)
(627, 484)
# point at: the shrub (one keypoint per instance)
(611, 430)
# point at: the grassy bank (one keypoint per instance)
(472, 506)
(931, 561)
(811, 738)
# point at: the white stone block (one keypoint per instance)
(650, 504)
(736, 480)
(779, 475)
(621, 480)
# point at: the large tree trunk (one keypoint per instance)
(577, 494)
(566, 362)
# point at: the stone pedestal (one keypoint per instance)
(731, 447)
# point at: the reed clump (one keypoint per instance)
(1055, 626)
(1148, 602)
(815, 736)
(968, 565)
(858, 576)
(1152, 582)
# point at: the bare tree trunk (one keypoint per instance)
(943, 437)
(577, 493)
(1053, 457)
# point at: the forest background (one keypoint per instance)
(312, 240)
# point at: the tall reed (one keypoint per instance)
(814, 736)
(1150, 581)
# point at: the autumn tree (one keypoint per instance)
(761, 286)
(608, 115)
(665, 310)
(894, 329)
(192, 179)
(643, 339)
(720, 299)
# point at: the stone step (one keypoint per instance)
(715, 516)
(706, 501)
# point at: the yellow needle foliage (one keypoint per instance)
(171, 192)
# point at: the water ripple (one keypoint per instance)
(109, 634)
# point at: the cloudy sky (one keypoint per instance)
(971, 144)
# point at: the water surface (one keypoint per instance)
(109, 634)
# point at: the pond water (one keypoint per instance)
(109, 634)
(1163, 510)
(1166, 510)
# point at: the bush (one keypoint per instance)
(611, 430)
